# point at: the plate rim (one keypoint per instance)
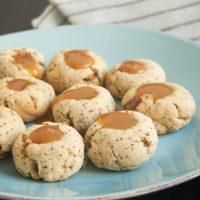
(128, 193)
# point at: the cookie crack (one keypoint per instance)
(89, 139)
(34, 101)
(178, 110)
(35, 167)
(116, 157)
(160, 123)
(5, 103)
(35, 173)
(70, 119)
(92, 77)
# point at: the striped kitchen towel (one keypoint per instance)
(177, 17)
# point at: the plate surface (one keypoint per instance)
(177, 158)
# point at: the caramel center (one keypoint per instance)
(18, 84)
(45, 134)
(77, 94)
(131, 67)
(78, 59)
(117, 120)
(27, 62)
(156, 90)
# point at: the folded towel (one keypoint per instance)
(177, 17)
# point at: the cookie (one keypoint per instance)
(21, 61)
(169, 105)
(121, 141)
(69, 67)
(131, 73)
(28, 96)
(80, 105)
(51, 152)
(11, 126)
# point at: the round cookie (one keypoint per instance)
(51, 151)
(132, 73)
(69, 67)
(169, 105)
(11, 126)
(80, 105)
(28, 96)
(121, 140)
(21, 61)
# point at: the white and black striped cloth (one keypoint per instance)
(177, 17)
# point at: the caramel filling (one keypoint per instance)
(78, 59)
(117, 120)
(18, 84)
(27, 62)
(77, 94)
(131, 67)
(156, 90)
(45, 134)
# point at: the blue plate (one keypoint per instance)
(177, 158)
